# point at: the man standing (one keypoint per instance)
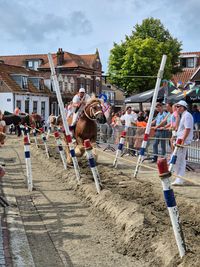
(78, 103)
(128, 119)
(160, 134)
(184, 132)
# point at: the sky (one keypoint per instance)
(81, 26)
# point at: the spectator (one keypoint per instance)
(184, 132)
(159, 133)
(128, 121)
(2, 129)
(196, 117)
(17, 111)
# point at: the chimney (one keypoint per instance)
(60, 57)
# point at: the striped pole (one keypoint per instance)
(92, 164)
(28, 163)
(63, 115)
(68, 139)
(120, 148)
(26, 132)
(148, 127)
(44, 141)
(34, 135)
(48, 132)
(174, 155)
(60, 148)
(164, 174)
(22, 129)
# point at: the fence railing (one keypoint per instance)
(110, 136)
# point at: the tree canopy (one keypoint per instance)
(140, 55)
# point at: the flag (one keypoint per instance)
(171, 84)
(179, 85)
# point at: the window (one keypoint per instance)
(33, 64)
(43, 109)
(82, 83)
(41, 84)
(30, 64)
(187, 62)
(27, 106)
(24, 82)
(60, 82)
(190, 62)
(19, 104)
(35, 104)
(65, 84)
(71, 85)
(88, 85)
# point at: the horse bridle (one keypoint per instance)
(92, 114)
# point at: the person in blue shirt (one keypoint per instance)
(160, 134)
(196, 117)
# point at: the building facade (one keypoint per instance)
(73, 72)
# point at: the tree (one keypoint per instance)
(140, 55)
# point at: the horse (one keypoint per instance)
(30, 120)
(86, 126)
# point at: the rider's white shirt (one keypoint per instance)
(186, 122)
(76, 99)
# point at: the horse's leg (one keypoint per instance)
(79, 150)
(68, 156)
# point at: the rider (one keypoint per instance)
(78, 103)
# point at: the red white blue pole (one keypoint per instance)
(68, 139)
(148, 127)
(22, 129)
(44, 141)
(165, 174)
(28, 163)
(120, 148)
(35, 135)
(48, 132)
(92, 164)
(174, 155)
(60, 148)
(26, 132)
(63, 115)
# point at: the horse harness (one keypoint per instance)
(92, 114)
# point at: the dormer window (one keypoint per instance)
(37, 82)
(24, 82)
(188, 61)
(33, 64)
(21, 80)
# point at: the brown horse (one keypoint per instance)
(86, 126)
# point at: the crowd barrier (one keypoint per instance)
(134, 136)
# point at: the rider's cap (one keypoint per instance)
(81, 90)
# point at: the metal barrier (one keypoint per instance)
(110, 137)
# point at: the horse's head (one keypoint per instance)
(93, 111)
(36, 120)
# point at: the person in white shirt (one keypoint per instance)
(128, 119)
(184, 132)
(78, 103)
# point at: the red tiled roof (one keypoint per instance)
(5, 75)
(186, 73)
(190, 53)
(70, 60)
(184, 76)
(19, 60)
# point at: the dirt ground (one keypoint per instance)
(127, 224)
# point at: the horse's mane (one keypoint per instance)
(92, 100)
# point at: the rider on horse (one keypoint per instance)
(78, 103)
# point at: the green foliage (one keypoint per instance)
(140, 55)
